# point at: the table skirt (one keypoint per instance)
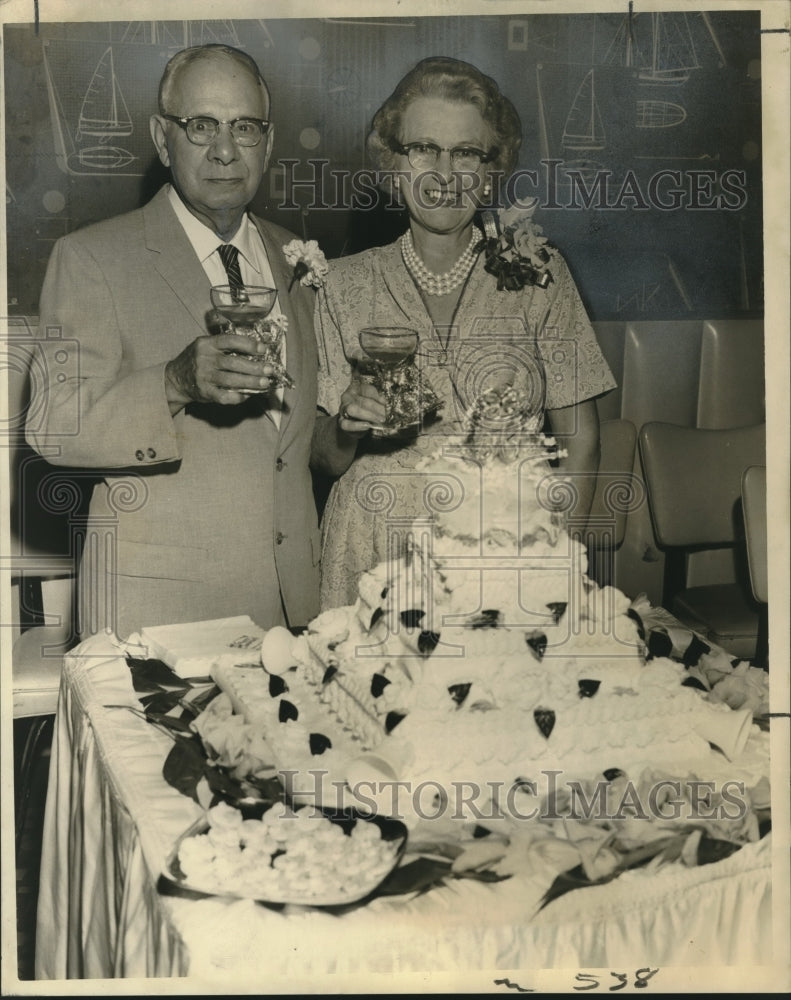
(111, 820)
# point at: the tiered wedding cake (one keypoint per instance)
(482, 658)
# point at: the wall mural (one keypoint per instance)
(642, 138)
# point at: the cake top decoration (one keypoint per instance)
(502, 425)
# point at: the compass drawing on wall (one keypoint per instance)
(343, 85)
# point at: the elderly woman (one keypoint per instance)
(445, 136)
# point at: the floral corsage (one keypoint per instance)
(309, 263)
(515, 247)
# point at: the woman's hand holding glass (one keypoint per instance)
(362, 408)
(387, 365)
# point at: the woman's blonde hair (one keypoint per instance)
(452, 80)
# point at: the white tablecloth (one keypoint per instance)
(111, 820)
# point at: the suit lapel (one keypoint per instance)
(176, 259)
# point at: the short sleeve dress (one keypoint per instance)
(538, 340)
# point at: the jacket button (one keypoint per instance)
(152, 453)
(279, 465)
(279, 537)
(139, 455)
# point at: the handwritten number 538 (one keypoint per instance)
(641, 978)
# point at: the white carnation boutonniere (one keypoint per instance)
(515, 247)
(309, 263)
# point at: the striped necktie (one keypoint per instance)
(230, 258)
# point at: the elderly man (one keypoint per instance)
(203, 506)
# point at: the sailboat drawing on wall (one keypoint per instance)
(178, 34)
(583, 168)
(104, 112)
(624, 49)
(103, 115)
(584, 129)
(673, 54)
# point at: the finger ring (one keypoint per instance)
(345, 414)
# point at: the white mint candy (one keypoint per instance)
(277, 653)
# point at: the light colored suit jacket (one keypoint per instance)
(206, 514)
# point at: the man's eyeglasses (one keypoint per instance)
(202, 130)
(425, 155)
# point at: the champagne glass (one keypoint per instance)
(388, 364)
(245, 311)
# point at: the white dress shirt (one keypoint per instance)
(253, 263)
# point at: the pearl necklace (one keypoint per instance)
(439, 284)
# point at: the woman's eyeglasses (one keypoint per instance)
(202, 130)
(425, 155)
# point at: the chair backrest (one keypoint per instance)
(615, 493)
(731, 390)
(754, 508)
(694, 479)
(660, 371)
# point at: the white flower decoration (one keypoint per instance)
(522, 234)
(309, 263)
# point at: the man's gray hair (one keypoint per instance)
(186, 57)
